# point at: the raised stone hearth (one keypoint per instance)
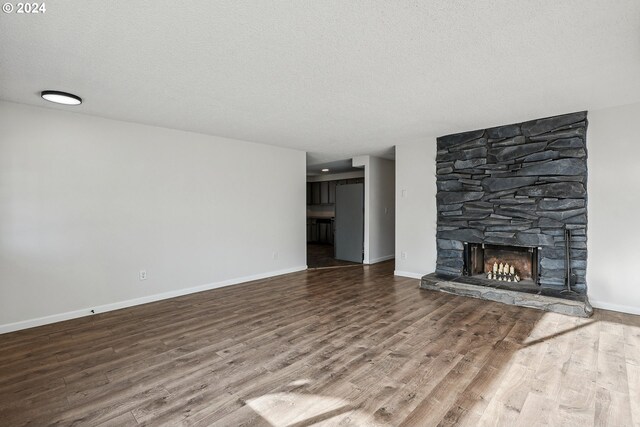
(546, 299)
(520, 185)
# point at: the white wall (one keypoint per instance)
(416, 208)
(379, 211)
(85, 203)
(614, 208)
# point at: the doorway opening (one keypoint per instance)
(335, 215)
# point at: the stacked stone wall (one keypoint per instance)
(517, 185)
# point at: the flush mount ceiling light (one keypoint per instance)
(61, 97)
(325, 170)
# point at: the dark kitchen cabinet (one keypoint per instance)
(320, 230)
(315, 193)
(332, 192)
(324, 192)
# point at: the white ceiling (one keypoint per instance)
(335, 78)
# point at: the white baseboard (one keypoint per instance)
(615, 307)
(380, 259)
(408, 274)
(31, 323)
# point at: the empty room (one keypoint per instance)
(320, 213)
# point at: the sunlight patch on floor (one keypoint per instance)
(529, 373)
(553, 325)
(285, 409)
(300, 382)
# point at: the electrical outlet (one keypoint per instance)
(275, 255)
(403, 255)
(143, 275)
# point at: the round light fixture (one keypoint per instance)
(61, 97)
(325, 170)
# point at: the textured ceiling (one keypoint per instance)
(334, 78)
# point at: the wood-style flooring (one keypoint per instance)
(320, 255)
(349, 346)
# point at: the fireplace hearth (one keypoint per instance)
(515, 196)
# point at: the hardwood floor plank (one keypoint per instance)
(633, 371)
(349, 346)
(576, 402)
(124, 420)
(537, 410)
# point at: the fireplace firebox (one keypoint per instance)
(481, 259)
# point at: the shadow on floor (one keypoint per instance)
(320, 255)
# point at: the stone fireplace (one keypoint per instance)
(515, 195)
